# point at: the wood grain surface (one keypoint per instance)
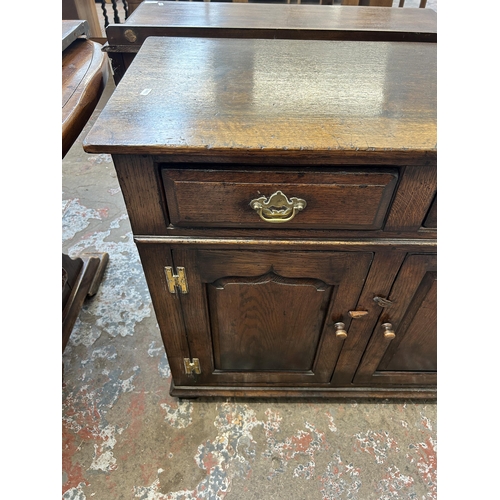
(208, 96)
(411, 356)
(237, 20)
(336, 198)
(71, 30)
(85, 71)
(262, 325)
(265, 21)
(431, 219)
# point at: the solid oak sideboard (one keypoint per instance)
(282, 198)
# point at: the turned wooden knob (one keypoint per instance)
(340, 330)
(388, 331)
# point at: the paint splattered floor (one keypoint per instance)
(124, 437)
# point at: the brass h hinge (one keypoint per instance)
(176, 280)
(192, 366)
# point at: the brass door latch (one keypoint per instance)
(382, 302)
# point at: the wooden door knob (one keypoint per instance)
(388, 331)
(340, 330)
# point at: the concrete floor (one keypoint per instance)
(124, 437)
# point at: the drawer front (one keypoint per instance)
(330, 199)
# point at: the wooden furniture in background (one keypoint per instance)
(368, 3)
(279, 214)
(115, 10)
(83, 10)
(85, 70)
(132, 5)
(422, 4)
(71, 30)
(234, 20)
(380, 3)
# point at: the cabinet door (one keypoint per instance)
(267, 317)
(404, 350)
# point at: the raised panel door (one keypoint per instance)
(403, 346)
(268, 317)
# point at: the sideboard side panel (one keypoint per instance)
(167, 307)
(141, 188)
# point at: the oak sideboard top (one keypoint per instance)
(289, 97)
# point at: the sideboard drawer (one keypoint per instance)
(327, 199)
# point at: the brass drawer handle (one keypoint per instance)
(388, 331)
(278, 208)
